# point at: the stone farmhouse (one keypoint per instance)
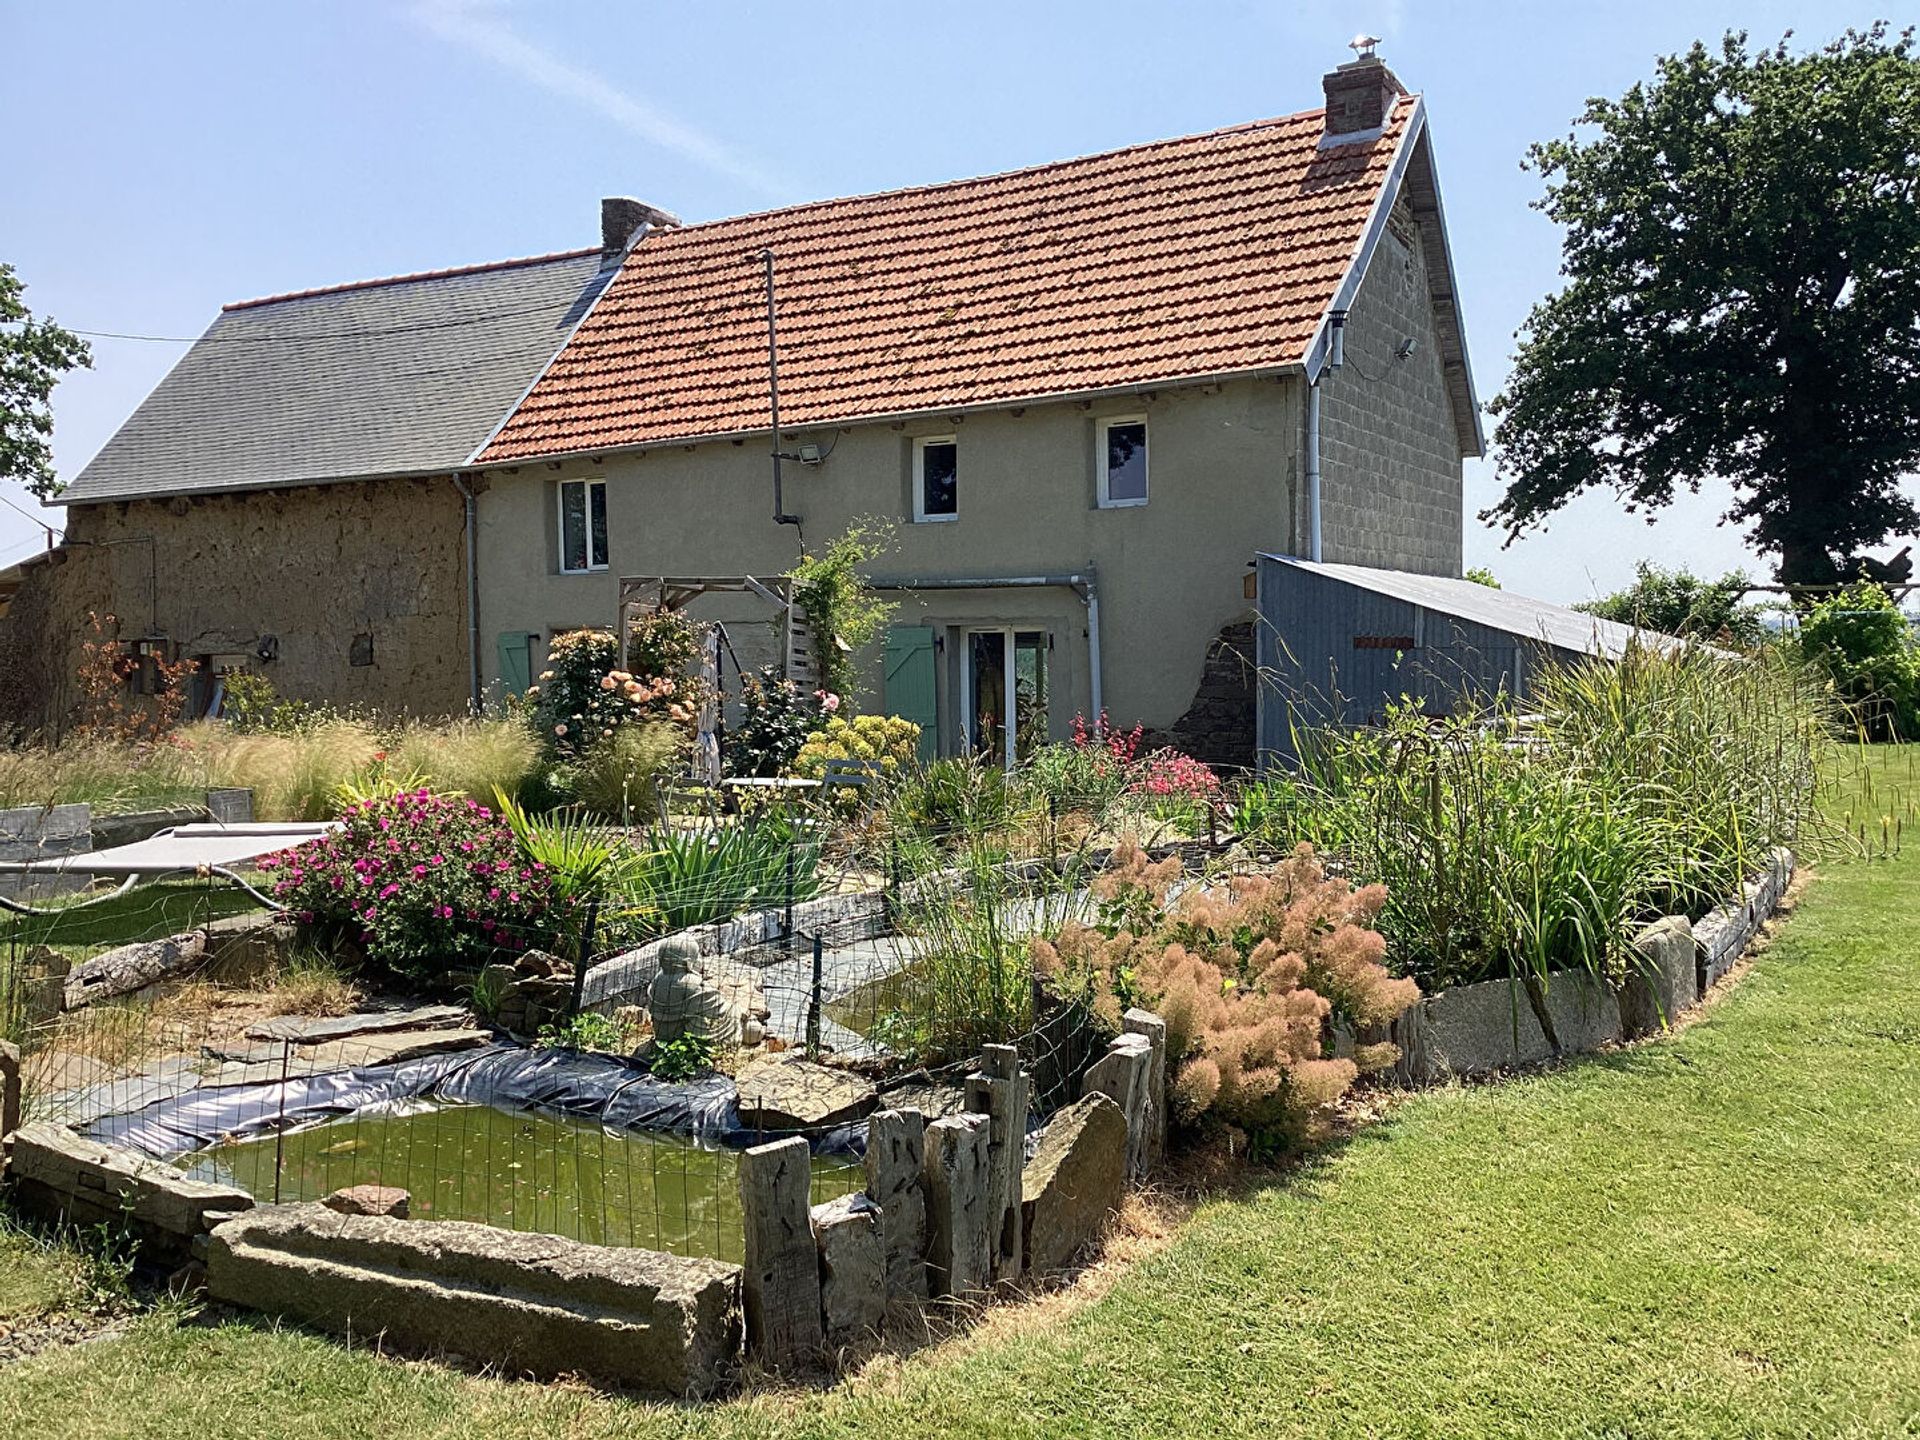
(1087, 395)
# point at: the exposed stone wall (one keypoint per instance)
(330, 575)
(1392, 493)
(1218, 727)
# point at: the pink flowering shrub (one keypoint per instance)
(584, 697)
(423, 883)
(1175, 787)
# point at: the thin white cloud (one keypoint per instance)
(483, 28)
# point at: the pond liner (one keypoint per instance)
(569, 1083)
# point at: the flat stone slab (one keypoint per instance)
(1074, 1183)
(353, 1054)
(311, 1030)
(529, 1304)
(799, 1095)
(85, 1180)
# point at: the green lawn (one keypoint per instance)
(147, 912)
(1715, 1234)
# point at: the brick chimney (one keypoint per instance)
(620, 216)
(1359, 95)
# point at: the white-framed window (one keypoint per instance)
(936, 478)
(583, 525)
(1120, 460)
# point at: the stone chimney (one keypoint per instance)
(1359, 95)
(620, 216)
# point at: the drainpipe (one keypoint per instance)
(1091, 594)
(1313, 470)
(469, 502)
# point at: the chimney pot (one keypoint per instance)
(620, 216)
(1359, 95)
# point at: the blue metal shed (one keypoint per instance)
(1337, 644)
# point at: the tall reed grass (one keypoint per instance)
(295, 774)
(1513, 844)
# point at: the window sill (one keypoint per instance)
(935, 519)
(590, 570)
(1120, 505)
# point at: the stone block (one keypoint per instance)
(1074, 1183)
(853, 1267)
(781, 1277)
(1665, 980)
(529, 1304)
(1125, 1075)
(60, 1172)
(383, 1200)
(1144, 1022)
(896, 1156)
(800, 1095)
(9, 1088)
(959, 1243)
(1490, 1025)
(1002, 1092)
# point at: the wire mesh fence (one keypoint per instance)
(531, 1090)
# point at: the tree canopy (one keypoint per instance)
(1742, 300)
(1678, 602)
(34, 354)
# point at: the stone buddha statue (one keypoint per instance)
(683, 1002)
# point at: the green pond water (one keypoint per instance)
(520, 1170)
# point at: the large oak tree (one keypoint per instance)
(1742, 300)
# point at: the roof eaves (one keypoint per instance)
(247, 487)
(1133, 387)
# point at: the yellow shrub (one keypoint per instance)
(888, 739)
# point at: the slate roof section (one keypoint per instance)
(1206, 256)
(1518, 615)
(404, 376)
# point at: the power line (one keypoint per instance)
(303, 337)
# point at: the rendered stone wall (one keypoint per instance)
(314, 569)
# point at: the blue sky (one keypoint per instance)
(166, 159)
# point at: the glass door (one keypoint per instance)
(1006, 693)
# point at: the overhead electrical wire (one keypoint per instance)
(301, 337)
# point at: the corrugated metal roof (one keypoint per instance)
(1518, 615)
(393, 377)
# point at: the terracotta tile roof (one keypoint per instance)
(1208, 255)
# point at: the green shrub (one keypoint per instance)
(584, 696)
(585, 1031)
(1862, 642)
(682, 1059)
(842, 613)
(957, 795)
(1678, 602)
(777, 717)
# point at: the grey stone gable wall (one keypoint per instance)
(391, 378)
(1392, 493)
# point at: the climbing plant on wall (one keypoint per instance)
(843, 612)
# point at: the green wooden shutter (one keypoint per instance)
(516, 661)
(910, 692)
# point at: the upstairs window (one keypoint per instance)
(936, 462)
(1121, 460)
(583, 526)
